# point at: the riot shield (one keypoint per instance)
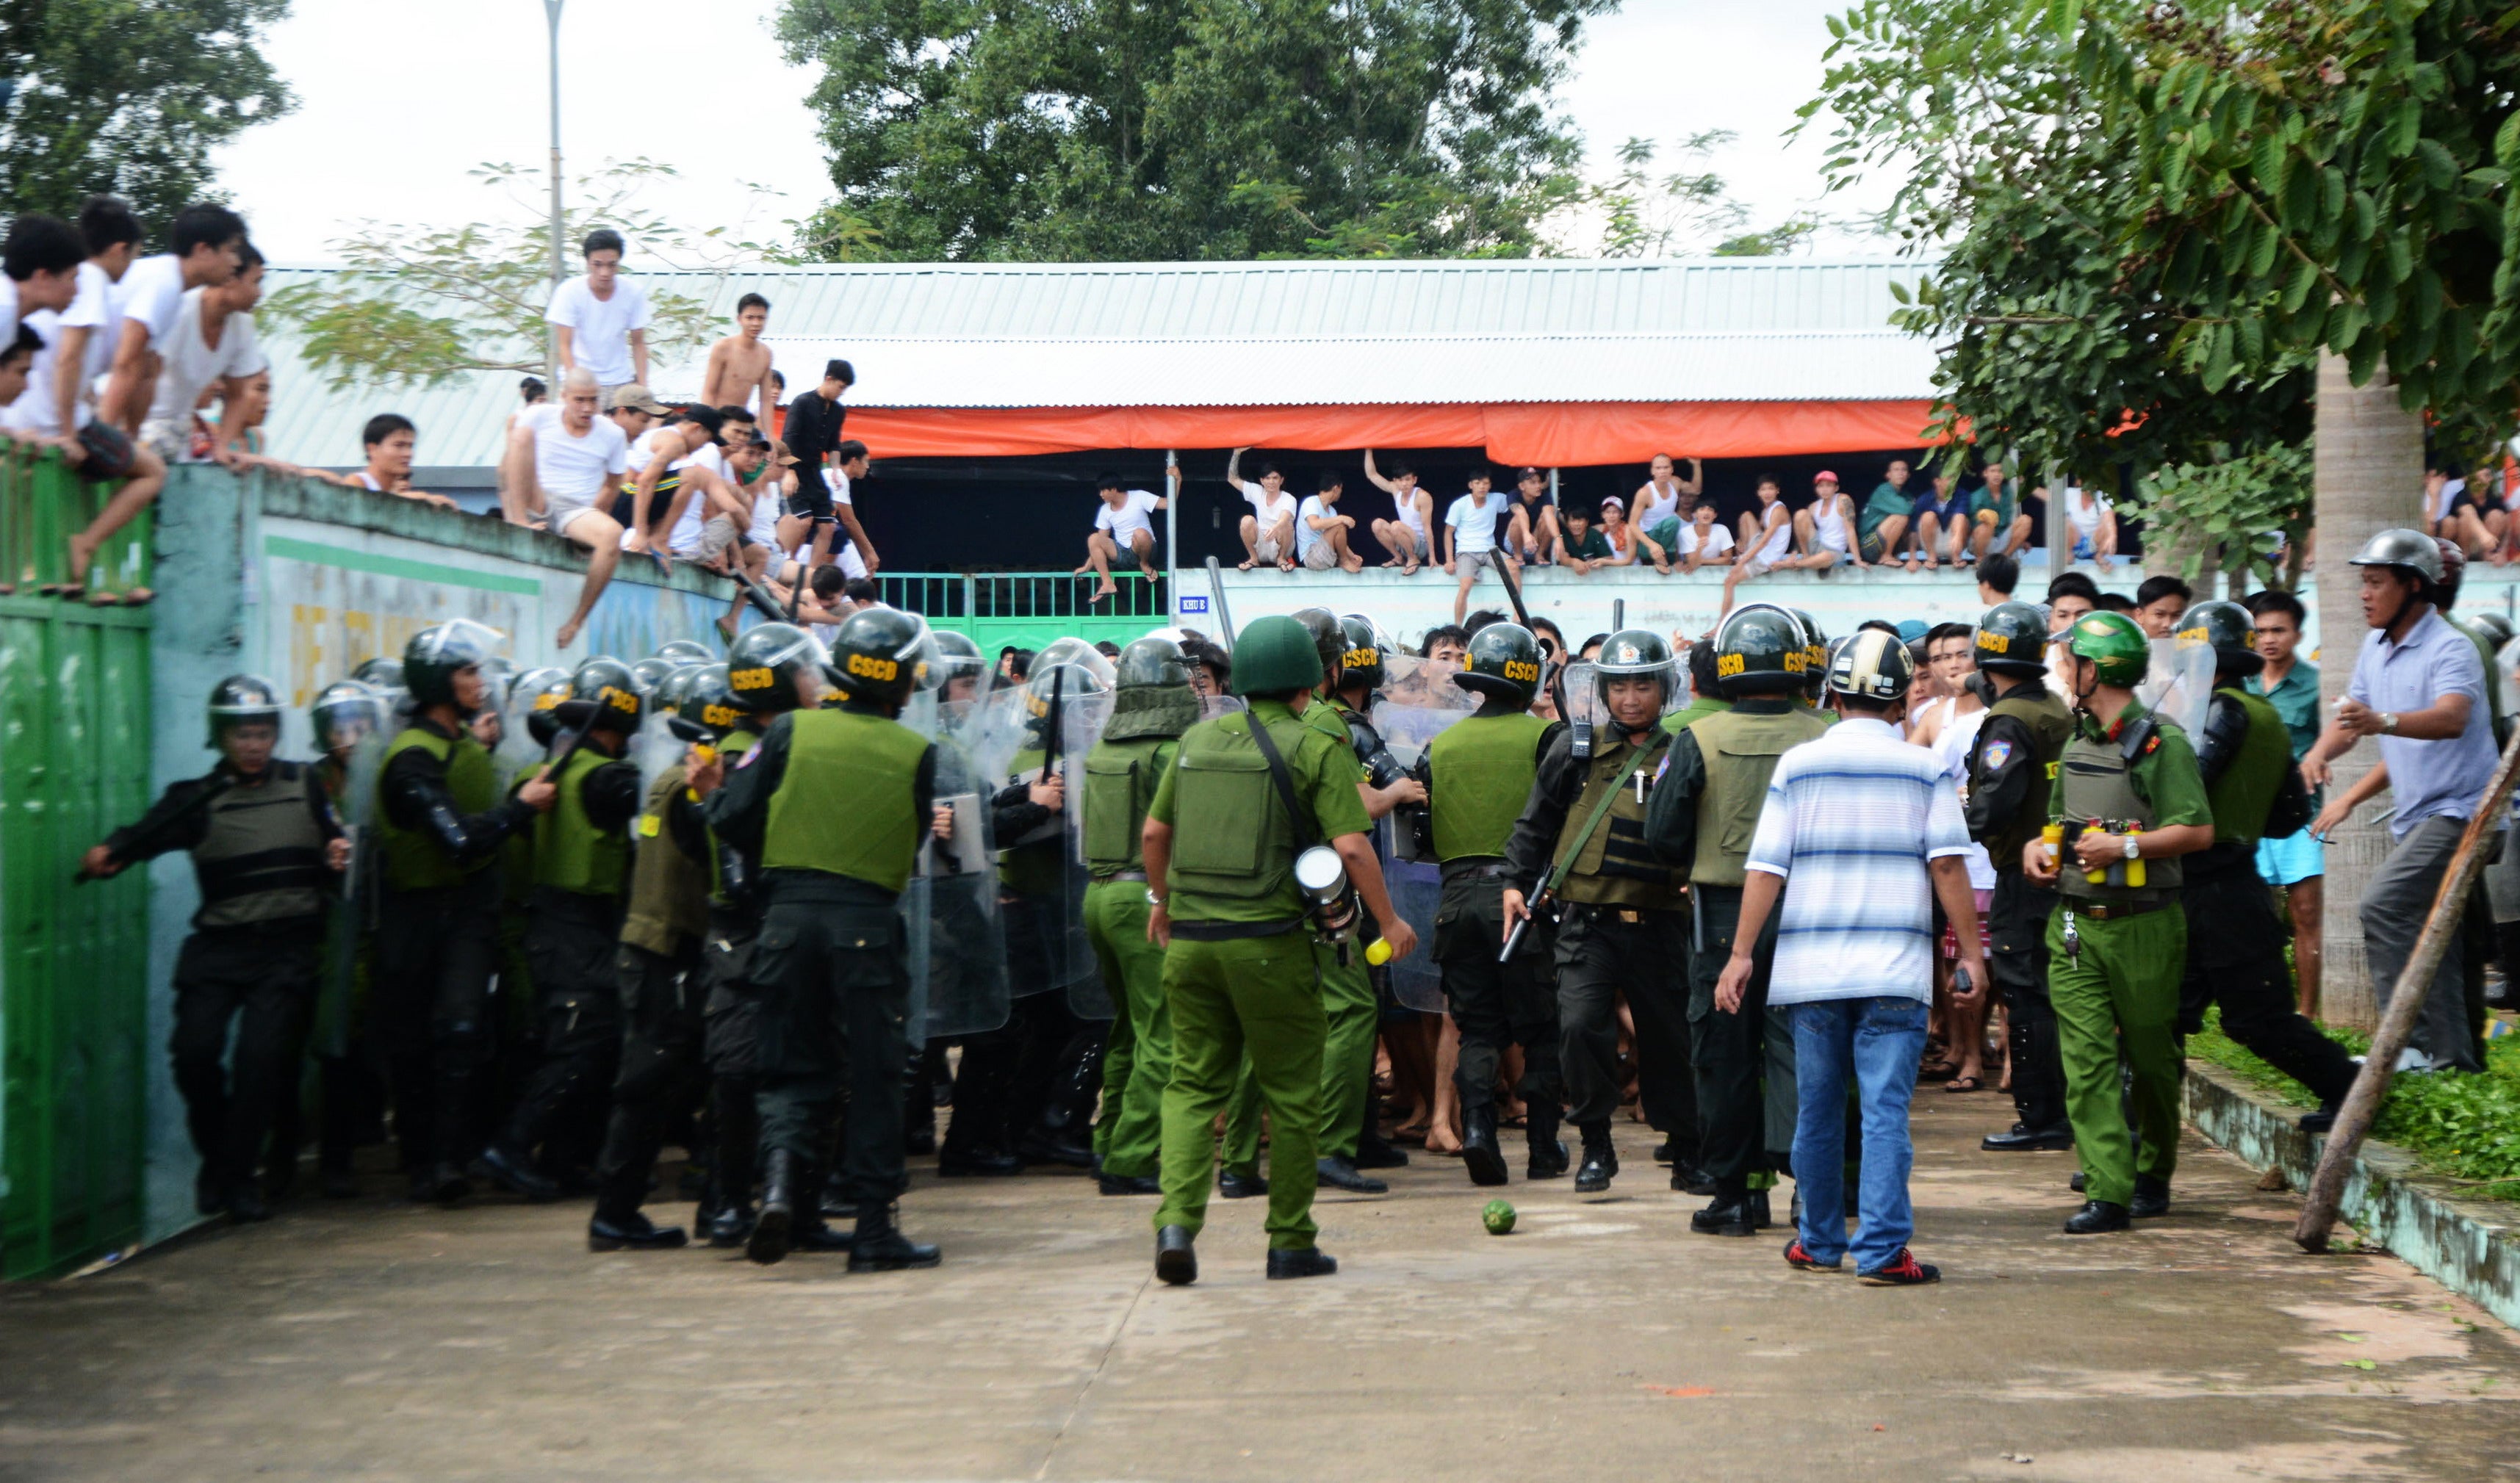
(958, 940)
(1016, 753)
(2179, 682)
(1417, 700)
(1416, 888)
(353, 909)
(1585, 716)
(1088, 996)
(654, 749)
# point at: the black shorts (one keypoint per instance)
(812, 500)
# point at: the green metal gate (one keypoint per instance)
(74, 762)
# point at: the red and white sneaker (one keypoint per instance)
(1796, 1256)
(1901, 1270)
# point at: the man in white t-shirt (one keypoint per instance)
(212, 343)
(1409, 535)
(570, 465)
(603, 318)
(1269, 530)
(41, 258)
(1125, 523)
(1321, 533)
(208, 249)
(1470, 535)
(1704, 541)
(78, 338)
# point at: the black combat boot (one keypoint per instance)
(2151, 1197)
(784, 1197)
(1176, 1260)
(1303, 1261)
(881, 1247)
(511, 1170)
(2096, 1217)
(1129, 1184)
(1540, 1132)
(1479, 1151)
(1341, 1173)
(1731, 1213)
(1601, 1159)
(632, 1232)
(1235, 1183)
(1372, 1149)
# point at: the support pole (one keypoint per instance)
(2060, 535)
(559, 254)
(2407, 1003)
(1172, 535)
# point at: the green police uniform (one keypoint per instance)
(1349, 1006)
(1240, 972)
(2117, 991)
(1120, 780)
(1698, 708)
(657, 971)
(2013, 766)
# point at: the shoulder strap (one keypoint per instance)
(1610, 795)
(1305, 836)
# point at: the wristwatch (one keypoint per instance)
(1152, 899)
(2134, 849)
(2388, 723)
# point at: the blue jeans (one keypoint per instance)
(1878, 1042)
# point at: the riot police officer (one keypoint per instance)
(1222, 834)
(2244, 755)
(1704, 815)
(2011, 766)
(441, 827)
(1388, 787)
(265, 849)
(1625, 924)
(658, 968)
(1152, 704)
(581, 867)
(350, 1093)
(834, 804)
(1477, 773)
(2129, 802)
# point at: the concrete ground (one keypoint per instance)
(376, 1340)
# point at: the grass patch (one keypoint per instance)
(2463, 1127)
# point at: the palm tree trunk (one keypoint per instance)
(2369, 475)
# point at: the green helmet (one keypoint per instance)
(2115, 645)
(763, 666)
(711, 701)
(882, 655)
(1503, 662)
(437, 653)
(1761, 650)
(380, 673)
(1629, 652)
(1361, 655)
(1275, 655)
(242, 700)
(1871, 665)
(650, 675)
(2012, 639)
(344, 712)
(1154, 695)
(1329, 640)
(614, 690)
(685, 652)
(2233, 632)
(1151, 662)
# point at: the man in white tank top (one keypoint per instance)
(1824, 530)
(1664, 496)
(1409, 535)
(1767, 533)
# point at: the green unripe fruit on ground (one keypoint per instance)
(1498, 1218)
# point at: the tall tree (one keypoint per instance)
(129, 96)
(1073, 130)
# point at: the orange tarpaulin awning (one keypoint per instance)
(1547, 433)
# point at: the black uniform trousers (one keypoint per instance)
(1602, 953)
(262, 979)
(435, 952)
(660, 1055)
(834, 978)
(1744, 1060)
(1008, 1075)
(1495, 1005)
(2017, 918)
(731, 1051)
(569, 945)
(2235, 958)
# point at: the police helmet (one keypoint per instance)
(882, 655)
(1361, 656)
(1329, 640)
(686, 652)
(613, 690)
(649, 674)
(380, 673)
(1151, 662)
(344, 712)
(242, 700)
(1761, 649)
(2496, 628)
(1275, 655)
(711, 701)
(763, 666)
(1503, 662)
(1816, 650)
(1633, 653)
(439, 653)
(2231, 630)
(2012, 639)
(2117, 648)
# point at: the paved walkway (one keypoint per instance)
(1600, 1341)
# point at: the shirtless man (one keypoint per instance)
(657, 496)
(738, 366)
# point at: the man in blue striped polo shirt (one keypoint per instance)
(1859, 835)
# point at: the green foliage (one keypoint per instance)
(416, 305)
(129, 96)
(2231, 509)
(1082, 131)
(2462, 1126)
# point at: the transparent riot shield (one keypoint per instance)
(353, 909)
(958, 940)
(1040, 910)
(1585, 714)
(1081, 726)
(654, 749)
(1417, 701)
(2178, 681)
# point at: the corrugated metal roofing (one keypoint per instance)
(946, 334)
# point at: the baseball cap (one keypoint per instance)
(1830, 475)
(634, 398)
(1613, 502)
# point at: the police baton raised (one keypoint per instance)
(1512, 588)
(1224, 614)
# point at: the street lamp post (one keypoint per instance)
(558, 258)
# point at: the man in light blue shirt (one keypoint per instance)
(2418, 687)
(1859, 834)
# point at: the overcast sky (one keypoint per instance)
(391, 138)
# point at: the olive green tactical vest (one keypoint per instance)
(2051, 723)
(1616, 867)
(668, 899)
(2250, 781)
(1233, 843)
(1120, 780)
(1740, 749)
(414, 859)
(262, 857)
(570, 854)
(2100, 784)
(848, 803)
(730, 751)
(1697, 708)
(1482, 768)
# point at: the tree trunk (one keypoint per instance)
(2370, 477)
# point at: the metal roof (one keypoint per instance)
(1245, 334)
